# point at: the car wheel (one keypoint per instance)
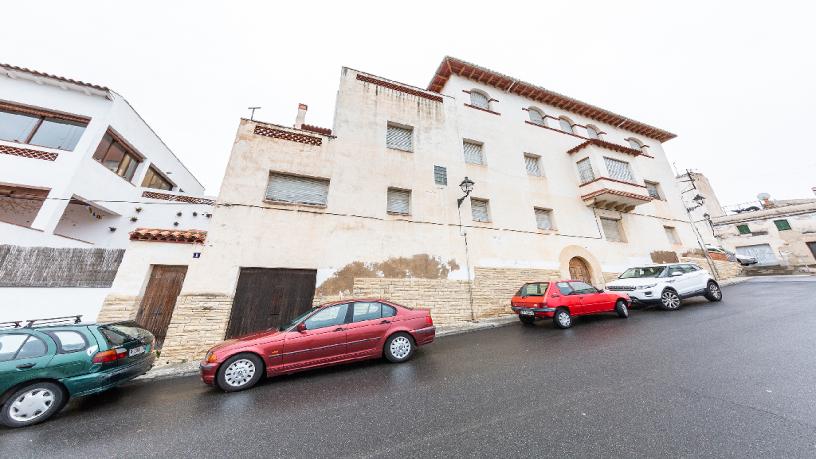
(713, 292)
(32, 404)
(562, 318)
(399, 347)
(622, 309)
(669, 300)
(239, 372)
(527, 320)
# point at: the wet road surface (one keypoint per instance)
(737, 378)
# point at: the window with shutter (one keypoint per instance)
(399, 201)
(565, 124)
(543, 218)
(477, 99)
(585, 171)
(671, 234)
(651, 188)
(473, 153)
(531, 163)
(399, 137)
(440, 175)
(297, 189)
(743, 229)
(535, 116)
(782, 225)
(619, 170)
(612, 229)
(479, 210)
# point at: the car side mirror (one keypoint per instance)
(301, 327)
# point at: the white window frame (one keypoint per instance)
(544, 211)
(393, 193)
(536, 161)
(466, 142)
(398, 131)
(473, 216)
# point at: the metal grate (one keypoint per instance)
(473, 153)
(543, 220)
(478, 99)
(399, 201)
(399, 138)
(585, 171)
(651, 188)
(531, 163)
(619, 170)
(440, 175)
(479, 210)
(296, 189)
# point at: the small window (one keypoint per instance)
(10, 344)
(593, 132)
(743, 229)
(331, 316)
(440, 175)
(296, 189)
(117, 157)
(17, 127)
(388, 311)
(652, 189)
(366, 311)
(782, 225)
(473, 152)
(566, 124)
(479, 99)
(33, 347)
(536, 117)
(531, 163)
(619, 170)
(543, 218)
(673, 270)
(479, 210)
(635, 143)
(68, 341)
(585, 172)
(399, 201)
(40, 130)
(399, 137)
(564, 288)
(154, 179)
(612, 229)
(671, 234)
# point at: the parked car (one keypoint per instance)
(666, 284)
(744, 260)
(564, 299)
(47, 361)
(329, 334)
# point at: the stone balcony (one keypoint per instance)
(612, 194)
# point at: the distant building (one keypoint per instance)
(695, 185)
(79, 170)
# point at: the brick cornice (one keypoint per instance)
(399, 87)
(609, 146)
(177, 198)
(287, 135)
(28, 153)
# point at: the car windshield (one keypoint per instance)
(643, 272)
(296, 320)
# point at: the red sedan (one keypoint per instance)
(562, 300)
(329, 334)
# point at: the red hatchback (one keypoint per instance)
(329, 334)
(562, 300)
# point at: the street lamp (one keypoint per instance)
(467, 187)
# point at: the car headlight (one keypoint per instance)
(646, 287)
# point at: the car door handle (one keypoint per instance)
(385, 322)
(339, 329)
(24, 366)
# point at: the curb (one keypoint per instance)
(475, 326)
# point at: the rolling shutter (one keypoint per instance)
(619, 170)
(585, 171)
(296, 189)
(531, 163)
(399, 138)
(399, 201)
(543, 219)
(473, 153)
(479, 211)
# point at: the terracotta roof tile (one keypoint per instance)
(190, 236)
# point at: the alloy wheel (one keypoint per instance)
(400, 347)
(239, 373)
(564, 319)
(31, 405)
(714, 290)
(670, 300)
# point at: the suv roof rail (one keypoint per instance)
(11, 324)
(54, 320)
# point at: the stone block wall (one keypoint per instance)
(199, 322)
(116, 308)
(726, 269)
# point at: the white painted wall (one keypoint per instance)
(37, 303)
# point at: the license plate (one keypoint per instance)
(526, 312)
(136, 351)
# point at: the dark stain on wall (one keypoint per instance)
(664, 256)
(422, 266)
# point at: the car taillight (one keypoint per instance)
(428, 320)
(111, 355)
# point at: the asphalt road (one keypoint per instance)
(730, 379)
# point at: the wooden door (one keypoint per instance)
(269, 297)
(579, 270)
(159, 299)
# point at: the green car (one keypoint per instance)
(47, 361)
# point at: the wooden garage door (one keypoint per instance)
(269, 297)
(159, 299)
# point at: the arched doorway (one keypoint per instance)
(579, 270)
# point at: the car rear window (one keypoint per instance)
(118, 334)
(533, 289)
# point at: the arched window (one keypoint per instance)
(536, 117)
(479, 99)
(566, 124)
(593, 132)
(635, 143)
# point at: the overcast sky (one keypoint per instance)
(735, 81)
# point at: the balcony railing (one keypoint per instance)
(613, 194)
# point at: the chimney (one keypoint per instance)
(301, 116)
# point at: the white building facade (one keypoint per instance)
(79, 169)
(369, 208)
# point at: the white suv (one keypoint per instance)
(666, 284)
